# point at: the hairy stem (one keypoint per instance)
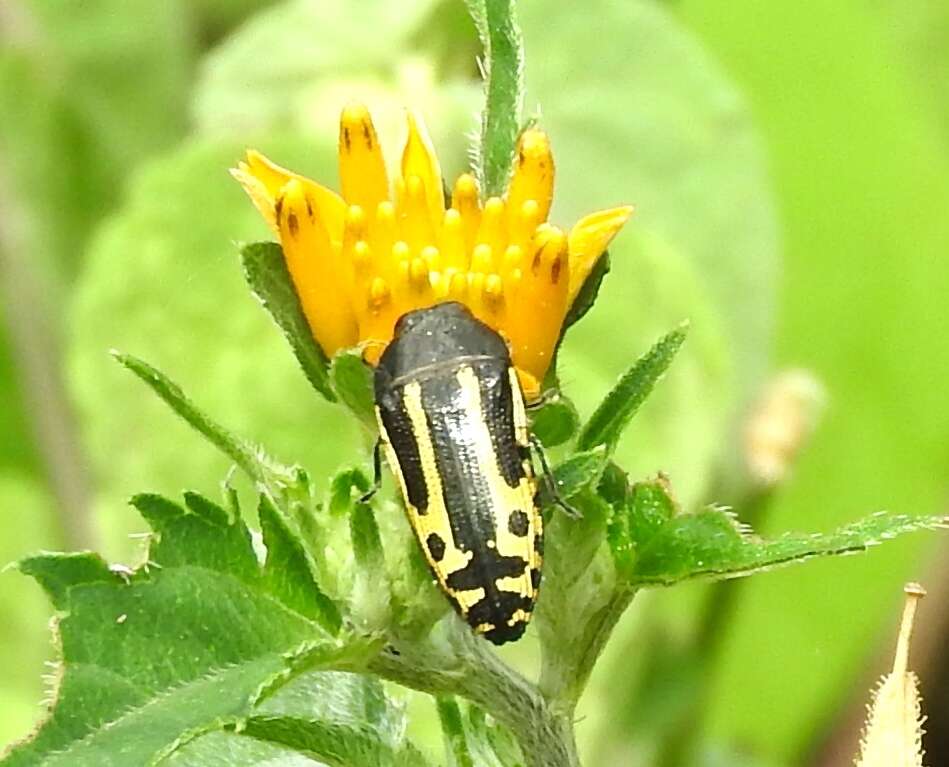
(544, 729)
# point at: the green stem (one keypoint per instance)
(564, 677)
(544, 730)
(504, 88)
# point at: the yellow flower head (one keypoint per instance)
(362, 259)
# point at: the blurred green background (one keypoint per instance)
(790, 166)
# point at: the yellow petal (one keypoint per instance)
(315, 267)
(533, 176)
(589, 237)
(536, 302)
(259, 194)
(328, 205)
(893, 736)
(419, 159)
(362, 168)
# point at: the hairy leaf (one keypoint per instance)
(252, 459)
(187, 641)
(607, 423)
(266, 272)
(655, 544)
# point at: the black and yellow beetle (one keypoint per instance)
(454, 428)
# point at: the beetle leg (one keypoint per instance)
(551, 483)
(543, 399)
(376, 473)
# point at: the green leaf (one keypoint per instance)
(607, 423)
(555, 422)
(252, 460)
(227, 749)
(353, 384)
(289, 570)
(503, 65)
(453, 733)
(654, 544)
(186, 642)
(370, 591)
(339, 718)
(579, 471)
(266, 272)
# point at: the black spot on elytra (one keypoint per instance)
(489, 566)
(293, 224)
(502, 634)
(539, 544)
(436, 546)
(517, 523)
(497, 610)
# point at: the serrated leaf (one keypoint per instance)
(653, 544)
(67, 571)
(183, 643)
(265, 270)
(252, 459)
(353, 384)
(607, 423)
(555, 422)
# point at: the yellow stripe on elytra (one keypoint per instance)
(520, 413)
(435, 520)
(505, 500)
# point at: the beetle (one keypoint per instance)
(453, 426)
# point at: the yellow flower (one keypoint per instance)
(362, 259)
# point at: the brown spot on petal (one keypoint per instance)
(293, 224)
(555, 270)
